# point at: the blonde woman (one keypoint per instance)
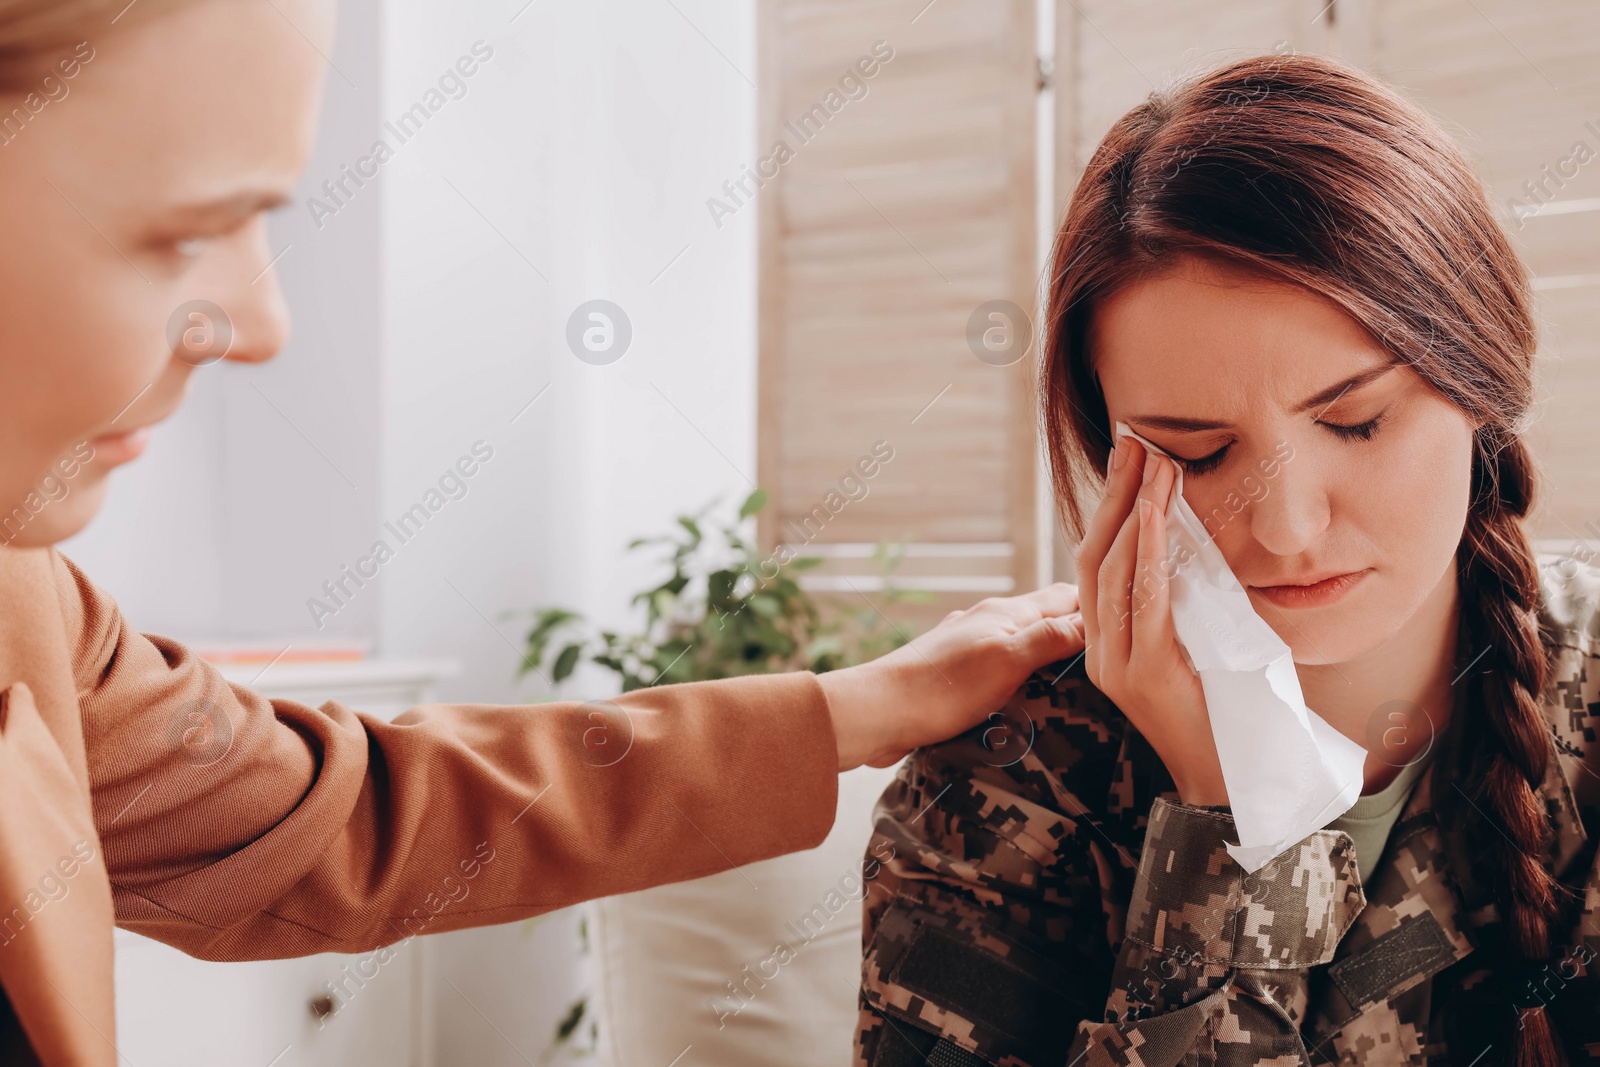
(1288, 278)
(140, 145)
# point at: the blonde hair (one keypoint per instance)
(32, 31)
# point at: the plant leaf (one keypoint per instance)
(719, 586)
(753, 503)
(569, 1023)
(566, 662)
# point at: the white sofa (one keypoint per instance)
(750, 967)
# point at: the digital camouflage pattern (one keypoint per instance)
(1051, 902)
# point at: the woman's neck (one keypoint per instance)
(1396, 700)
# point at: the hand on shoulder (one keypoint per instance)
(951, 678)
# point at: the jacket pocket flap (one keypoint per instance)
(986, 993)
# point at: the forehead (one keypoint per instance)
(193, 99)
(1204, 338)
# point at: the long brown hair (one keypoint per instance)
(1310, 171)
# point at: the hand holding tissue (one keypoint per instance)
(1287, 772)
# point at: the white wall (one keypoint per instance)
(589, 142)
(267, 478)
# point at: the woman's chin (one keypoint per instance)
(1328, 633)
(38, 520)
(1325, 637)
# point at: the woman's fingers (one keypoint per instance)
(1091, 622)
(1127, 468)
(1127, 465)
(1114, 606)
(1153, 634)
(1134, 656)
(1057, 598)
(1053, 638)
(1025, 609)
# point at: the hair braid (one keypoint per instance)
(1503, 756)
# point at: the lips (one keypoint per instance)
(118, 448)
(1326, 588)
(1289, 583)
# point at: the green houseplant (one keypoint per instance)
(724, 610)
(718, 615)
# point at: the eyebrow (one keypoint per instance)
(1322, 398)
(236, 205)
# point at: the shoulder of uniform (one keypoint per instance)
(1569, 586)
(1063, 689)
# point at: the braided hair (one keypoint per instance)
(1499, 750)
(1308, 170)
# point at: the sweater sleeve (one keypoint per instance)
(1016, 918)
(237, 827)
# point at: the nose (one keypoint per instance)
(260, 315)
(243, 316)
(1291, 515)
(261, 323)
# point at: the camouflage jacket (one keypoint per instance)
(1039, 897)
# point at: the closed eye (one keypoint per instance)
(1205, 464)
(1359, 432)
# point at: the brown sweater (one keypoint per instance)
(140, 788)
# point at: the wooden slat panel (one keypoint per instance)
(1518, 84)
(1127, 49)
(913, 205)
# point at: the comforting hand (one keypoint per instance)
(950, 678)
(1133, 655)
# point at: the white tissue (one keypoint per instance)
(1287, 771)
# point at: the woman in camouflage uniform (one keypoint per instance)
(1289, 279)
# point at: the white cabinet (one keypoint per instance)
(183, 1012)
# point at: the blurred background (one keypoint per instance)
(654, 255)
